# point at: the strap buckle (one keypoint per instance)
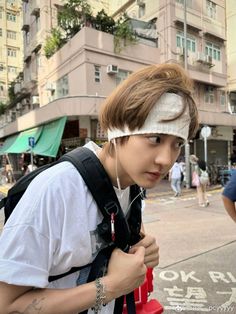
(111, 208)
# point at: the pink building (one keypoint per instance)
(75, 80)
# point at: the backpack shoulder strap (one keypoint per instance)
(135, 216)
(100, 186)
(94, 175)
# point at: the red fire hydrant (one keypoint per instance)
(142, 304)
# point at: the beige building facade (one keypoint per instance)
(231, 54)
(76, 79)
(11, 44)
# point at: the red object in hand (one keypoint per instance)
(142, 304)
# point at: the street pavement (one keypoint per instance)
(197, 270)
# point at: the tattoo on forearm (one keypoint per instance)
(34, 308)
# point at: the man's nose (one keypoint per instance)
(165, 156)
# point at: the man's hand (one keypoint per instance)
(125, 272)
(151, 258)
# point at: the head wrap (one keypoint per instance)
(167, 107)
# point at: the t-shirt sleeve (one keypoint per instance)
(230, 189)
(47, 233)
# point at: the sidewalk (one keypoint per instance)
(163, 188)
(4, 188)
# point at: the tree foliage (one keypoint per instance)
(74, 15)
(11, 92)
(124, 33)
(53, 42)
(2, 107)
(104, 22)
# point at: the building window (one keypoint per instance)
(27, 37)
(213, 51)
(62, 87)
(211, 9)
(38, 60)
(0, 14)
(222, 98)
(11, 17)
(11, 52)
(12, 69)
(232, 102)
(11, 35)
(209, 94)
(1, 67)
(189, 3)
(25, 7)
(191, 42)
(1, 88)
(141, 10)
(97, 73)
(121, 76)
(1, 32)
(37, 23)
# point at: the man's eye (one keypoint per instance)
(155, 139)
(179, 144)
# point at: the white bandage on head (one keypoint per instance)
(167, 107)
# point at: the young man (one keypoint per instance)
(199, 168)
(229, 196)
(175, 178)
(54, 226)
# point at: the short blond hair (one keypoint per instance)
(130, 103)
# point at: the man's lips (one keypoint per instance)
(154, 175)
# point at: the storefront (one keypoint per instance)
(47, 139)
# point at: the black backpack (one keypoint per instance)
(127, 231)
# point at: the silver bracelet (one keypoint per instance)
(100, 295)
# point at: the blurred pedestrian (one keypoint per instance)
(200, 179)
(229, 196)
(183, 171)
(175, 178)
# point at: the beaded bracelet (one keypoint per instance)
(100, 295)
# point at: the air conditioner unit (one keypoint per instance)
(18, 106)
(25, 101)
(50, 86)
(8, 118)
(112, 69)
(180, 51)
(201, 57)
(35, 100)
(14, 6)
(140, 3)
(34, 76)
(17, 87)
(209, 59)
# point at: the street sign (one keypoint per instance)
(31, 141)
(206, 131)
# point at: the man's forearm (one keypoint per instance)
(230, 207)
(49, 301)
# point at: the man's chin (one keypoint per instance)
(150, 185)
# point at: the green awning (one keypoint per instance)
(21, 144)
(50, 138)
(8, 143)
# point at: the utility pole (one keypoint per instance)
(186, 147)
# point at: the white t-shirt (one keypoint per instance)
(176, 171)
(51, 230)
